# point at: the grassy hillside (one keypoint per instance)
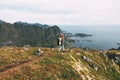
(21, 63)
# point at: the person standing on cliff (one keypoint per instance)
(61, 42)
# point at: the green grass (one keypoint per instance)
(53, 66)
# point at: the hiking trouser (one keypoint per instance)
(61, 47)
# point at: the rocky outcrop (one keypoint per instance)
(82, 35)
(90, 62)
(118, 48)
(115, 57)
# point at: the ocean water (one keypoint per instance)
(104, 37)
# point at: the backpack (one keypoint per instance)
(59, 41)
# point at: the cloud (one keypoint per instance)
(73, 12)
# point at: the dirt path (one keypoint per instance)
(15, 68)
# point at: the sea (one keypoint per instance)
(104, 37)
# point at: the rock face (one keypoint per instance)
(21, 33)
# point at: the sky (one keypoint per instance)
(62, 12)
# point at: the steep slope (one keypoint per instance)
(74, 64)
(21, 33)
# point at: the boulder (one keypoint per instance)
(86, 59)
(95, 66)
(25, 48)
(39, 51)
(53, 49)
(117, 59)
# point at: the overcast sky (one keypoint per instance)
(67, 12)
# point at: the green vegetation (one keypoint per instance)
(68, 65)
(20, 33)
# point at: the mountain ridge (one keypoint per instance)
(22, 33)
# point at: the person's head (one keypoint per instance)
(62, 36)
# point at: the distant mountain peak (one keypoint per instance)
(21, 23)
(2, 21)
(32, 24)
